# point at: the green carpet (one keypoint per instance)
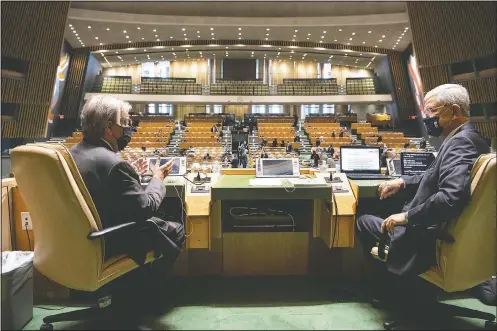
(215, 303)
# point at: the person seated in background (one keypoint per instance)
(207, 157)
(318, 142)
(289, 147)
(316, 159)
(296, 138)
(218, 124)
(440, 194)
(333, 134)
(275, 143)
(264, 142)
(282, 144)
(330, 151)
(341, 133)
(379, 139)
(114, 185)
(214, 129)
(234, 161)
(221, 134)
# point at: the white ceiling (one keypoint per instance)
(381, 25)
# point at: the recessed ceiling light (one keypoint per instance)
(154, 30)
(239, 37)
(169, 37)
(307, 38)
(118, 53)
(198, 36)
(383, 36)
(74, 31)
(239, 33)
(369, 31)
(127, 37)
(89, 26)
(212, 38)
(239, 28)
(144, 50)
(124, 31)
(380, 40)
(143, 38)
(363, 42)
(268, 39)
(348, 43)
(360, 54)
(212, 33)
(268, 29)
(407, 28)
(376, 46)
(350, 38)
(101, 44)
(324, 31)
(322, 37)
(77, 35)
(321, 41)
(107, 29)
(279, 48)
(183, 29)
(308, 34)
(212, 28)
(335, 40)
(340, 30)
(70, 24)
(159, 39)
(184, 34)
(353, 33)
(96, 37)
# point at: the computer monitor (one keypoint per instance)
(178, 168)
(360, 159)
(394, 167)
(276, 168)
(413, 163)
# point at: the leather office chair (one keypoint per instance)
(471, 258)
(69, 239)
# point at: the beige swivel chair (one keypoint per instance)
(472, 258)
(70, 241)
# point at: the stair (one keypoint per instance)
(173, 146)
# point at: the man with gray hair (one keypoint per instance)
(441, 193)
(115, 186)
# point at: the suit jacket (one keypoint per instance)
(115, 187)
(442, 193)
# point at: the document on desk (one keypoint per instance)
(318, 181)
(265, 182)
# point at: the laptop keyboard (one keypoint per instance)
(368, 176)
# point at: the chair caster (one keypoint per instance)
(46, 327)
(490, 325)
(389, 325)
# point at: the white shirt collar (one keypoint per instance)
(453, 132)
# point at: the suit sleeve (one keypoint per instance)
(412, 181)
(453, 185)
(135, 200)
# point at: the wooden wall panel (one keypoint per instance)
(487, 128)
(445, 32)
(180, 111)
(238, 110)
(403, 95)
(33, 32)
(481, 90)
(74, 85)
(434, 76)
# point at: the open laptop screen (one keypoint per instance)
(357, 159)
(278, 168)
(415, 163)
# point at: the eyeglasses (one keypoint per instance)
(430, 110)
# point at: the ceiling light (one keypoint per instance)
(96, 37)
(376, 46)
(212, 33)
(239, 28)
(77, 35)
(324, 31)
(335, 40)
(70, 24)
(107, 29)
(308, 34)
(226, 47)
(73, 31)
(321, 41)
(268, 29)
(369, 31)
(83, 45)
(380, 40)
(212, 38)
(239, 33)
(127, 37)
(144, 50)
(79, 38)
(117, 52)
(353, 33)
(407, 28)
(308, 38)
(350, 38)
(198, 36)
(183, 29)
(348, 43)
(159, 39)
(89, 26)
(340, 30)
(101, 44)
(212, 29)
(154, 30)
(363, 42)
(143, 38)
(169, 37)
(124, 31)
(322, 37)
(268, 39)
(239, 38)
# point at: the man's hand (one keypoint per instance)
(163, 171)
(392, 221)
(389, 188)
(140, 165)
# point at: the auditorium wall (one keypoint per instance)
(341, 73)
(28, 39)
(190, 69)
(468, 33)
(133, 70)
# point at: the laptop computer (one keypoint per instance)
(415, 163)
(361, 162)
(178, 168)
(277, 168)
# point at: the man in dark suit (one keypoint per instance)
(113, 183)
(441, 193)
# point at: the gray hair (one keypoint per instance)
(98, 111)
(449, 94)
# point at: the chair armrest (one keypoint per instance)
(111, 230)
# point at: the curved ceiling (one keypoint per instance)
(245, 8)
(371, 24)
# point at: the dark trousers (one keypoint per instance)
(384, 284)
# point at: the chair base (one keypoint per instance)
(435, 311)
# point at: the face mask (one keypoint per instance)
(124, 139)
(432, 125)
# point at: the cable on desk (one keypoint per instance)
(27, 233)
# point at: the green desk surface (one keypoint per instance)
(236, 187)
(368, 188)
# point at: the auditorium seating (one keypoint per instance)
(231, 87)
(198, 134)
(170, 86)
(355, 86)
(269, 129)
(116, 84)
(320, 119)
(308, 87)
